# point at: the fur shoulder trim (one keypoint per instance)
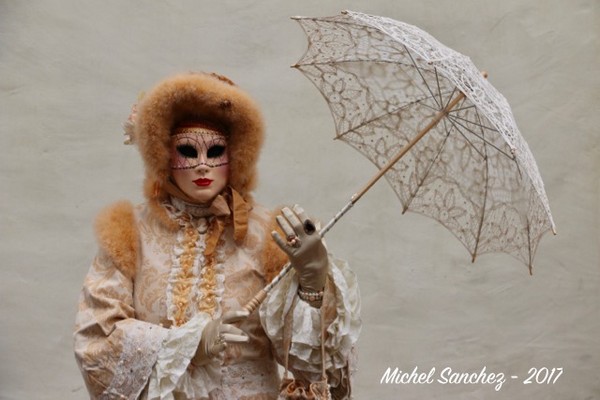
(118, 236)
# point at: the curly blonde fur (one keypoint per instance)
(118, 236)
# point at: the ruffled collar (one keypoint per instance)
(196, 279)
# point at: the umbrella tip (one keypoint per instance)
(484, 74)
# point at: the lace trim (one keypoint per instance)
(305, 348)
(141, 345)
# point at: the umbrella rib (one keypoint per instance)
(437, 79)
(349, 60)
(429, 168)
(417, 101)
(455, 110)
(512, 157)
(421, 75)
(485, 194)
(476, 123)
(435, 109)
(529, 246)
(466, 138)
(483, 139)
(464, 108)
(450, 98)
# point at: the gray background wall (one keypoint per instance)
(71, 69)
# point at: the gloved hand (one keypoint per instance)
(217, 334)
(304, 248)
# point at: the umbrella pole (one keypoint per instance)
(438, 117)
(262, 294)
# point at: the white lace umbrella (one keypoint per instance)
(444, 138)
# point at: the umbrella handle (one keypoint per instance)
(262, 294)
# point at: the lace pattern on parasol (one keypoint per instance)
(474, 173)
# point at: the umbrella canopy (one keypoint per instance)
(444, 138)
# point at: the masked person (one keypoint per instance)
(160, 310)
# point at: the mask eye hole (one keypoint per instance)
(215, 151)
(187, 151)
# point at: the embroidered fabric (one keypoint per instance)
(141, 346)
(384, 80)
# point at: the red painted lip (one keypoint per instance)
(203, 182)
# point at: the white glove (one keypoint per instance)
(216, 334)
(304, 247)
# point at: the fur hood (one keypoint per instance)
(210, 97)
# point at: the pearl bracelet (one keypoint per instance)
(310, 296)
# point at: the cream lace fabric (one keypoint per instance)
(127, 342)
(169, 373)
(136, 362)
(305, 350)
(384, 81)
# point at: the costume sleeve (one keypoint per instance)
(115, 352)
(341, 306)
